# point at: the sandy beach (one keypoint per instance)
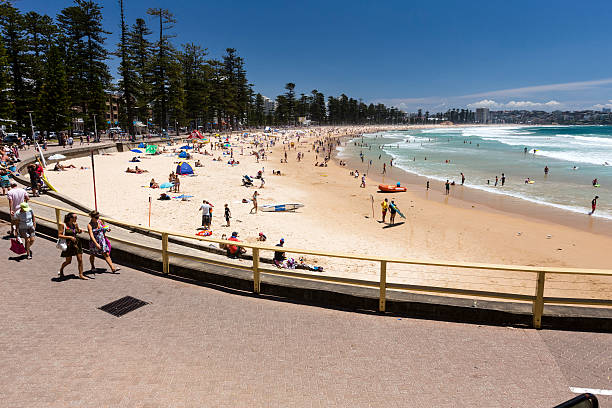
(339, 216)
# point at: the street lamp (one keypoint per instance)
(32, 125)
(95, 128)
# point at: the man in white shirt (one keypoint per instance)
(206, 208)
(16, 196)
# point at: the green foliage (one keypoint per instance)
(88, 75)
(58, 70)
(54, 99)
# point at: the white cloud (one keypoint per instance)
(528, 90)
(603, 105)
(491, 104)
(531, 105)
(485, 103)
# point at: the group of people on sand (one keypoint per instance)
(176, 182)
(136, 170)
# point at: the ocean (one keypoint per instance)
(575, 155)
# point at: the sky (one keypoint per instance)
(538, 54)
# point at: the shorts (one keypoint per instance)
(5, 183)
(27, 232)
(206, 220)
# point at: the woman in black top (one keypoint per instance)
(69, 231)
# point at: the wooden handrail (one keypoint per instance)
(538, 299)
(450, 264)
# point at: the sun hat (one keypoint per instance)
(25, 207)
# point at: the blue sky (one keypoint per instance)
(432, 55)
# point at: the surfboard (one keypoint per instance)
(44, 179)
(596, 185)
(398, 210)
(280, 207)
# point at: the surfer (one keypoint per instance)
(593, 205)
(393, 211)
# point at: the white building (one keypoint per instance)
(482, 115)
(269, 105)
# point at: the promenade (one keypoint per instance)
(195, 345)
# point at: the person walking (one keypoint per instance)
(98, 243)
(255, 194)
(228, 215)
(69, 231)
(593, 205)
(34, 179)
(26, 226)
(447, 187)
(205, 208)
(16, 195)
(385, 207)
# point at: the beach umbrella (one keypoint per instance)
(136, 151)
(166, 185)
(56, 156)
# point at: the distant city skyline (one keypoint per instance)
(519, 55)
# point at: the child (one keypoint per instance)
(228, 215)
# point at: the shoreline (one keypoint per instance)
(467, 196)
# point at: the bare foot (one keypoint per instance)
(83, 277)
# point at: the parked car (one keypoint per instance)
(10, 138)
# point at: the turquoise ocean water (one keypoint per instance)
(481, 153)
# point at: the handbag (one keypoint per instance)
(61, 244)
(17, 247)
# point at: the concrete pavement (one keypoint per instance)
(197, 345)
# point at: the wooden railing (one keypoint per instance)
(537, 299)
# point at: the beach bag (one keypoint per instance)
(17, 247)
(61, 244)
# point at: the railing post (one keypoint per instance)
(165, 258)
(256, 276)
(58, 218)
(383, 286)
(538, 303)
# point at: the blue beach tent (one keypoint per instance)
(184, 168)
(142, 145)
(183, 155)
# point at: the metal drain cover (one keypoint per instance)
(123, 306)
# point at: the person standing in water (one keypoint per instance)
(546, 171)
(462, 178)
(496, 181)
(503, 179)
(593, 205)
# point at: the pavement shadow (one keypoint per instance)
(64, 278)
(18, 258)
(397, 224)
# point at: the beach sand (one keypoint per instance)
(337, 217)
